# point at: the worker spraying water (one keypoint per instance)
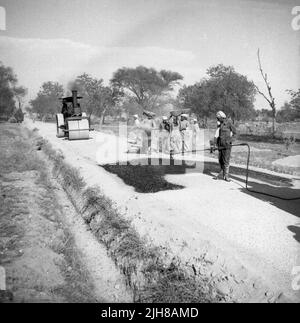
(224, 138)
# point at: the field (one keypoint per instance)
(266, 152)
(268, 155)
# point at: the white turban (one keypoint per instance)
(221, 114)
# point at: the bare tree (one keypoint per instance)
(269, 97)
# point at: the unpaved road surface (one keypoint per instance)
(260, 233)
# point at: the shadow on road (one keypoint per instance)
(148, 176)
(291, 207)
(296, 231)
(273, 184)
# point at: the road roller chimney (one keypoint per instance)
(74, 95)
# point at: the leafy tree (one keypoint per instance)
(97, 98)
(285, 114)
(196, 98)
(144, 84)
(8, 84)
(264, 115)
(19, 115)
(291, 110)
(295, 101)
(130, 106)
(225, 90)
(48, 101)
(231, 92)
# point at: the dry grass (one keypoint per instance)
(71, 176)
(151, 275)
(78, 287)
(18, 158)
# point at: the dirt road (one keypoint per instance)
(220, 220)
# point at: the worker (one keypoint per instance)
(65, 110)
(148, 125)
(165, 129)
(175, 140)
(137, 122)
(183, 127)
(195, 133)
(77, 111)
(137, 130)
(165, 125)
(224, 137)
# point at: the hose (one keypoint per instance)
(247, 172)
(257, 192)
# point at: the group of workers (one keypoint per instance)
(177, 133)
(172, 135)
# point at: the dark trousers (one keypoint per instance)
(224, 158)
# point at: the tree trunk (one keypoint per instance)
(102, 120)
(102, 117)
(205, 122)
(274, 123)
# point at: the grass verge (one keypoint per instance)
(36, 250)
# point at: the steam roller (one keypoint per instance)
(72, 123)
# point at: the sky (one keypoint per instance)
(56, 40)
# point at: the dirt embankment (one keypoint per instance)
(45, 250)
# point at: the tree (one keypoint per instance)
(8, 81)
(225, 90)
(264, 115)
(285, 114)
(196, 98)
(295, 101)
(48, 101)
(291, 110)
(19, 115)
(268, 97)
(20, 92)
(97, 98)
(130, 106)
(144, 84)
